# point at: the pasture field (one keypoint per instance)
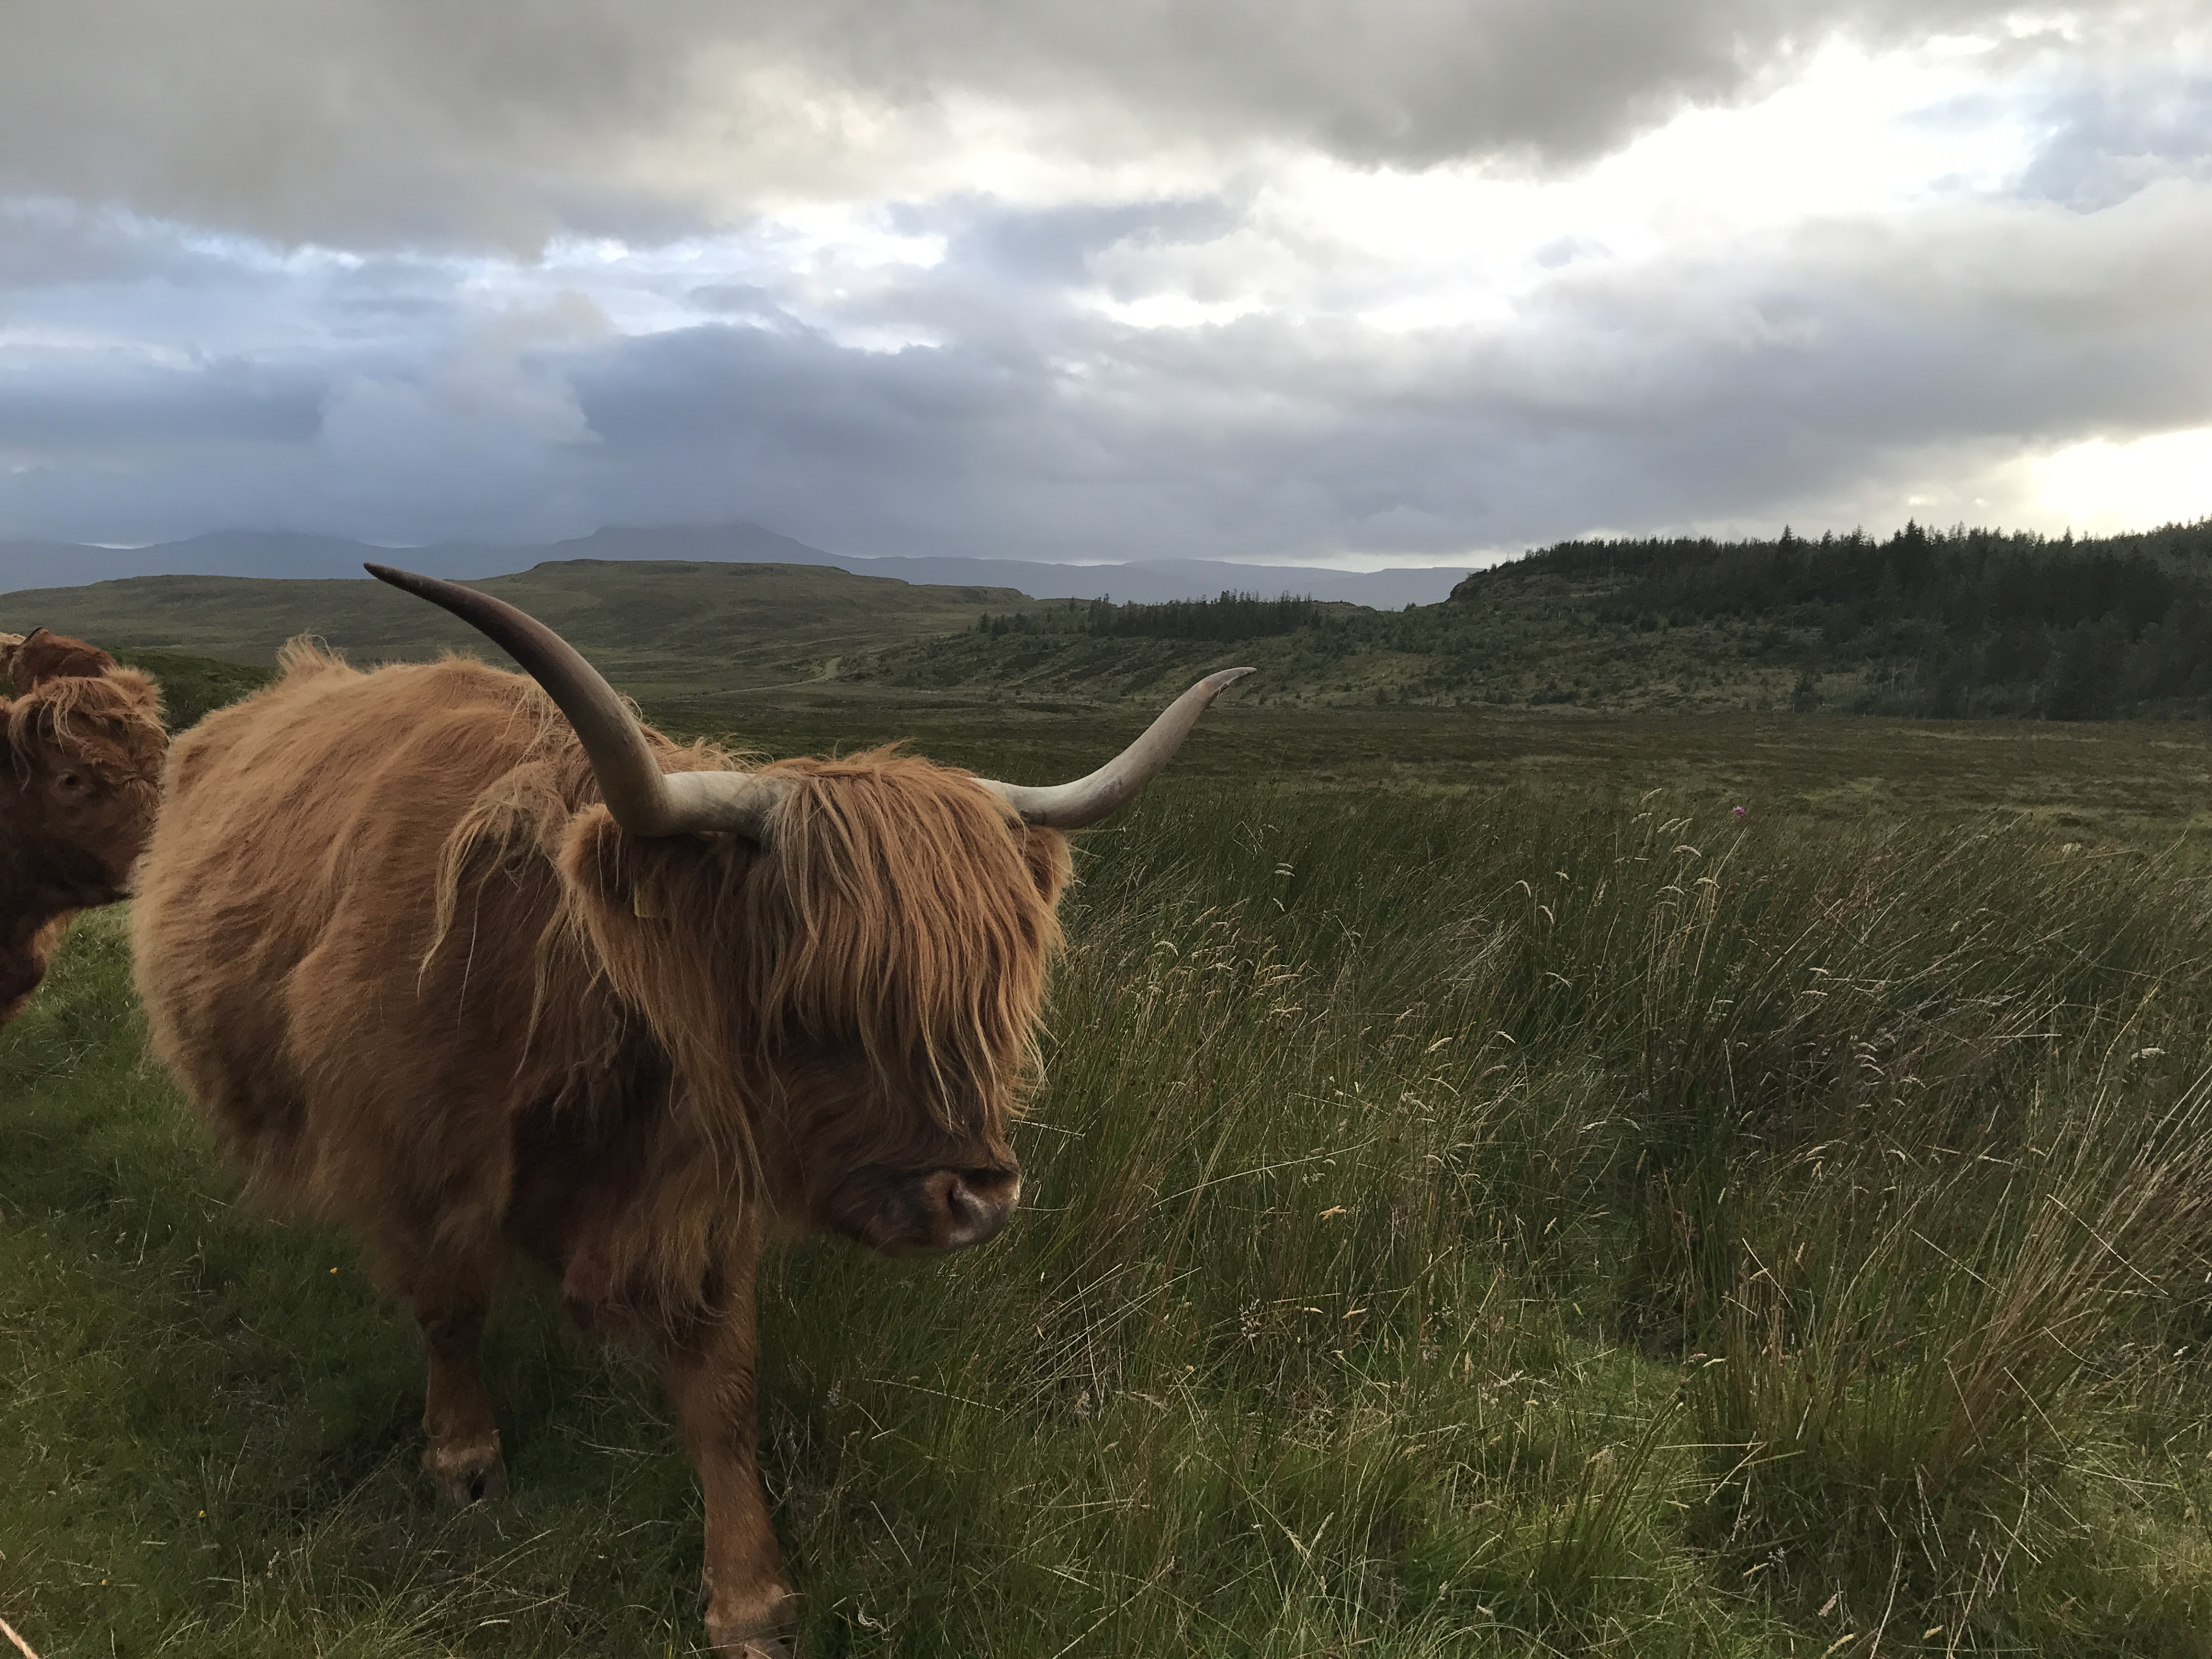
(1487, 1200)
(2139, 779)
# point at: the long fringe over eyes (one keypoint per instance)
(919, 923)
(102, 714)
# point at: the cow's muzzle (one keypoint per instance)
(944, 1210)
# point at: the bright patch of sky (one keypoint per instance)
(2099, 487)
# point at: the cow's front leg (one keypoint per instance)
(750, 1606)
(20, 973)
(24, 960)
(461, 1455)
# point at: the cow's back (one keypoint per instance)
(287, 903)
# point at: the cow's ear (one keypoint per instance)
(629, 875)
(599, 860)
(21, 657)
(1045, 852)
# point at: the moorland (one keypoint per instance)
(1488, 1196)
(1948, 623)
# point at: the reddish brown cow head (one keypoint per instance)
(845, 959)
(868, 979)
(80, 772)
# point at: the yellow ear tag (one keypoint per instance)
(645, 900)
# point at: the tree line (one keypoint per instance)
(1971, 621)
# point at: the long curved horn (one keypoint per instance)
(1072, 805)
(645, 800)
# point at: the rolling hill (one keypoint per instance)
(289, 556)
(1943, 623)
(1923, 623)
(657, 628)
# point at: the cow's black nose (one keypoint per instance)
(962, 1207)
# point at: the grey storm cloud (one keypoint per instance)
(1848, 364)
(363, 122)
(50, 402)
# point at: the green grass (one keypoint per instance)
(1502, 1215)
(2139, 779)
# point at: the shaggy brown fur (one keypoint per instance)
(418, 979)
(45, 655)
(80, 767)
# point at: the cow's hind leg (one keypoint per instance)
(461, 1455)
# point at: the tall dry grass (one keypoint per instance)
(1507, 1225)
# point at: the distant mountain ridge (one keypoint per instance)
(285, 555)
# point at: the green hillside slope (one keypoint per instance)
(1946, 622)
(192, 686)
(1539, 646)
(657, 628)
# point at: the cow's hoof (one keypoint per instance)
(469, 1473)
(758, 1628)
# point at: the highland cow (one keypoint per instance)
(81, 748)
(487, 970)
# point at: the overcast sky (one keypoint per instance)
(1329, 281)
